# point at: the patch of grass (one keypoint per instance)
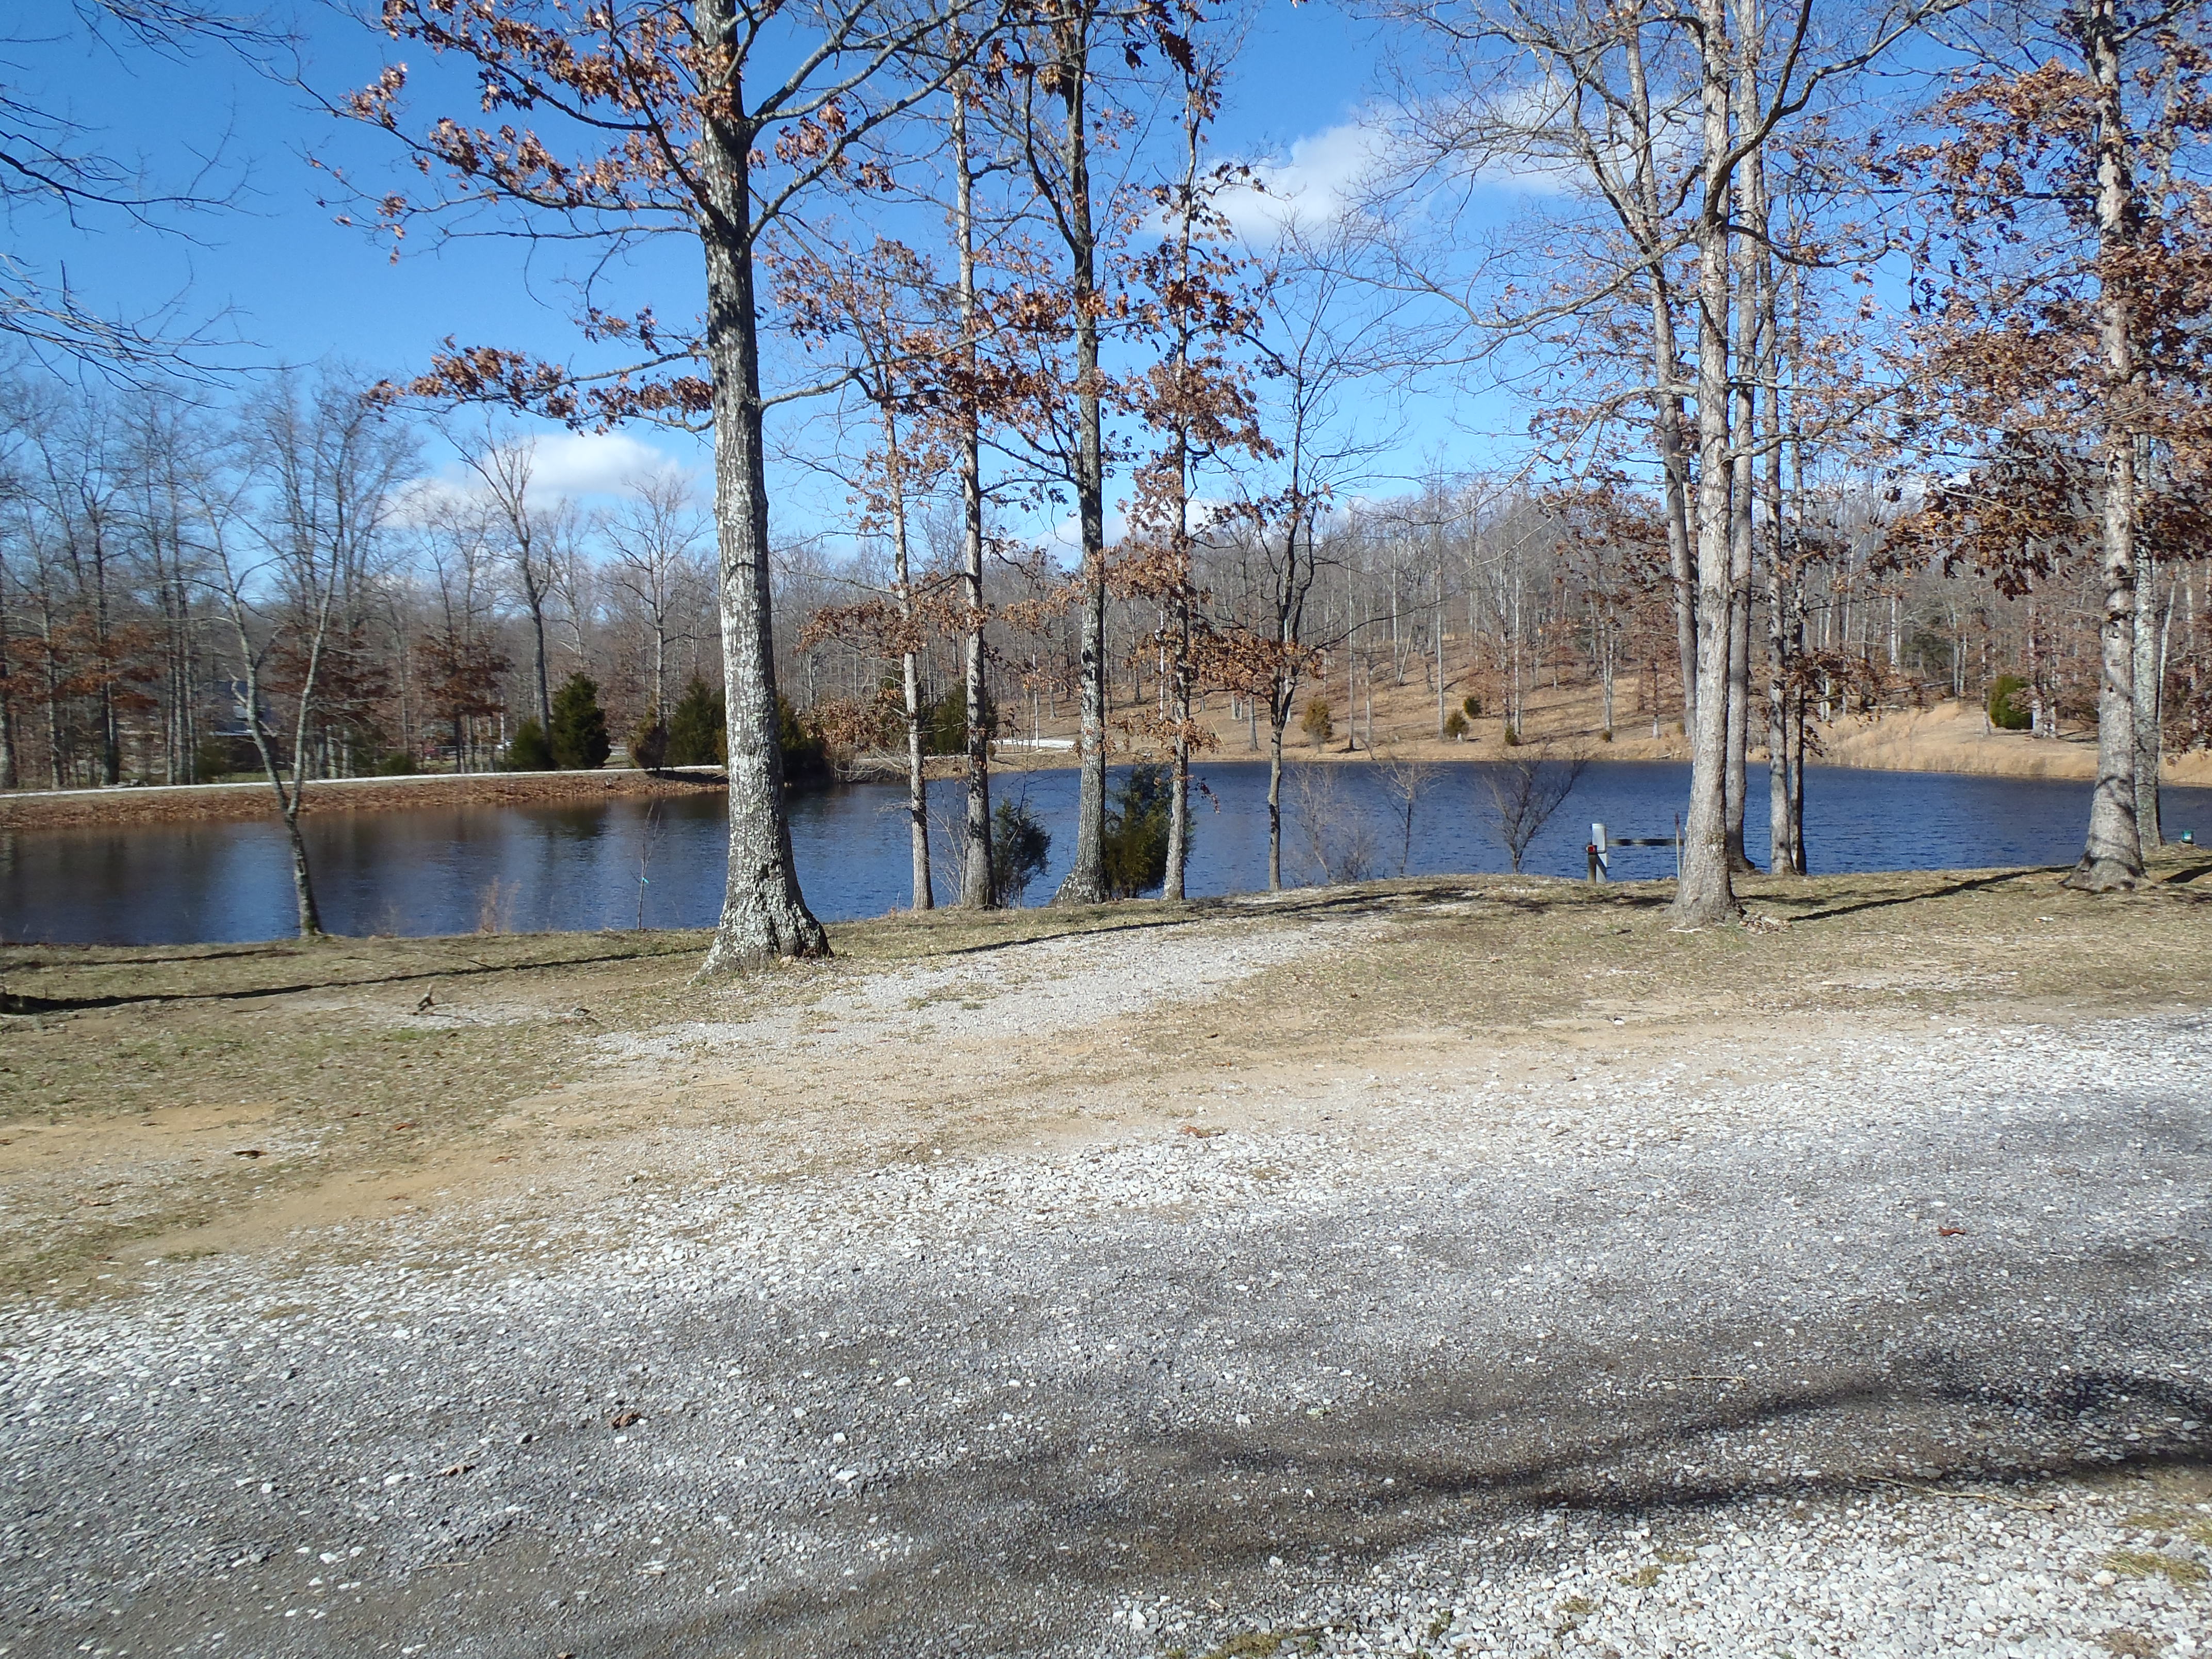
(2145, 1564)
(2131, 1644)
(1252, 1644)
(1577, 1605)
(1642, 1579)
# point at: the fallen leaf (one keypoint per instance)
(425, 1005)
(458, 1469)
(1197, 1133)
(624, 1419)
(403, 1126)
(1950, 1232)
(249, 1152)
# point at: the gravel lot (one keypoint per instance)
(1888, 1340)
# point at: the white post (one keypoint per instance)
(1604, 858)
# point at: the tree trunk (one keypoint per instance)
(1275, 725)
(1179, 784)
(2112, 856)
(8, 775)
(1706, 894)
(1804, 864)
(1750, 251)
(1086, 881)
(977, 890)
(2149, 688)
(917, 776)
(1667, 406)
(536, 602)
(763, 914)
(303, 887)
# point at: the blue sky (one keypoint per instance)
(296, 286)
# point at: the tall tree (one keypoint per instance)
(2064, 268)
(715, 118)
(1057, 147)
(654, 535)
(881, 304)
(1196, 403)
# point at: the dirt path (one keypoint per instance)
(1461, 1267)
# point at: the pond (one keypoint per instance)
(448, 870)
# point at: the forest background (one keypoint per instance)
(1803, 364)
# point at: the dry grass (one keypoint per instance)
(164, 1100)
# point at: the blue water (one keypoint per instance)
(525, 868)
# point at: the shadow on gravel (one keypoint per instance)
(1201, 1514)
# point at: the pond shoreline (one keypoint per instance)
(1935, 743)
(60, 809)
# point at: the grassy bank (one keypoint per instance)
(158, 1102)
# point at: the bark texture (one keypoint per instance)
(1706, 894)
(764, 915)
(2112, 856)
(1085, 881)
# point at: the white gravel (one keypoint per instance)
(1626, 1368)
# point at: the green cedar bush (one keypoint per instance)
(527, 750)
(578, 736)
(698, 733)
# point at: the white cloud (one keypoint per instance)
(1319, 177)
(565, 466)
(572, 464)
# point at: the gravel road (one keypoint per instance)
(1902, 1346)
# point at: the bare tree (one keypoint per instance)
(287, 544)
(1525, 790)
(505, 462)
(1339, 838)
(52, 165)
(1404, 781)
(654, 536)
(1319, 333)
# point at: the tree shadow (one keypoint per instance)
(1997, 878)
(1003, 1542)
(12, 1002)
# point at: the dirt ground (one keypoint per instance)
(184, 1100)
(1944, 737)
(1044, 1156)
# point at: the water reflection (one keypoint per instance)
(443, 870)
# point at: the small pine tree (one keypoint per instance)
(1471, 708)
(1135, 851)
(1019, 848)
(648, 744)
(698, 732)
(2008, 710)
(1455, 725)
(527, 750)
(944, 722)
(579, 733)
(1318, 726)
